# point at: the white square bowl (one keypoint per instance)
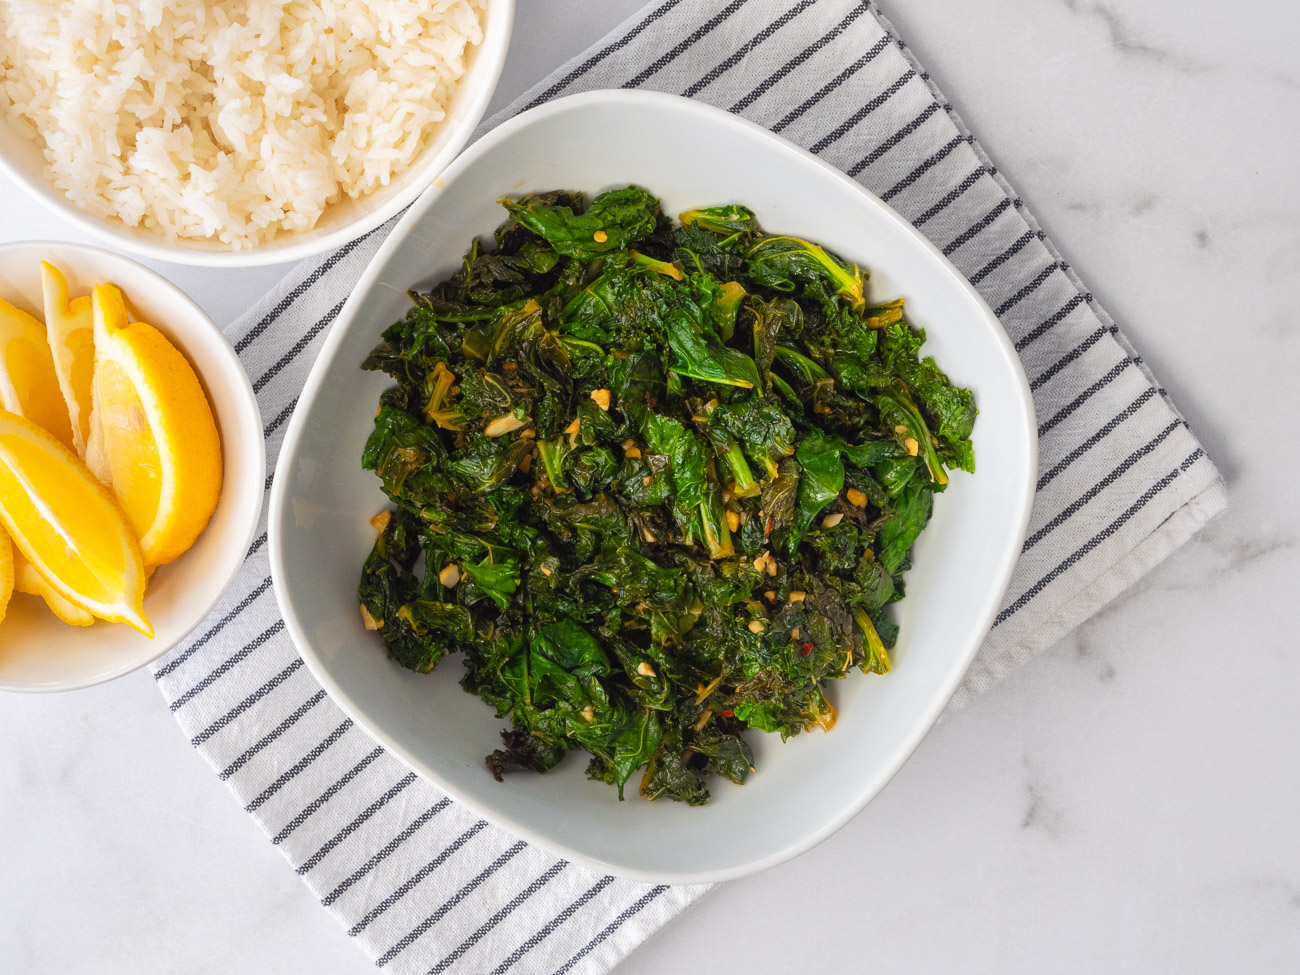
(689, 155)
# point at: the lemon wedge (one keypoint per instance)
(29, 385)
(72, 343)
(152, 431)
(28, 580)
(6, 572)
(67, 525)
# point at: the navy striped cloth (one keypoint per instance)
(425, 886)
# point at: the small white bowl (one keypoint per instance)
(23, 161)
(689, 155)
(37, 651)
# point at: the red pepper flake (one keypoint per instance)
(726, 713)
(807, 648)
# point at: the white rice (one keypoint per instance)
(230, 119)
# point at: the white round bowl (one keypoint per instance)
(805, 788)
(23, 161)
(37, 651)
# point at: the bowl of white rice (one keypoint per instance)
(240, 132)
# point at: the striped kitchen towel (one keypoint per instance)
(424, 885)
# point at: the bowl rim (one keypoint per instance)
(495, 47)
(632, 100)
(233, 375)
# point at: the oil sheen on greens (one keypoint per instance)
(657, 484)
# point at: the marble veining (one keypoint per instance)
(1088, 647)
(1124, 37)
(1041, 811)
(1143, 204)
(1226, 551)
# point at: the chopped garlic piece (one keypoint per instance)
(505, 423)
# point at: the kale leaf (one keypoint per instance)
(656, 484)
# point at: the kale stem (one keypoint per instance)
(726, 307)
(745, 486)
(877, 660)
(807, 369)
(553, 453)
(849, 282)
(570, 340)
(716, 533)
(922, 435)
(443, 378)
(661, 267)
(449, 419)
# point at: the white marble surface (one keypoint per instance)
(1127, 803)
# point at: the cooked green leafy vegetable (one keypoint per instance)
(656, 484)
